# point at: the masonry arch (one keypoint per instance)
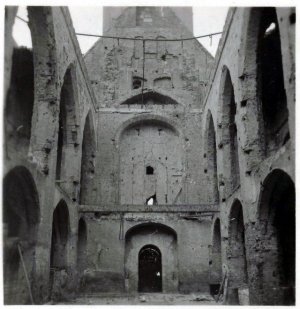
(150, 141)
(210, 157)
(152, 236)
(19, 99)
(21, 217)
(88, 158)
(68, 126)
(236, 253)
(228, 133)
(59, 243)
(215, 262)
(277, 221)
(263, 72)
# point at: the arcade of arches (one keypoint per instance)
(150, 166)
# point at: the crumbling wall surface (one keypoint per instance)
(183, 240)
(33, 144)
(255, 159)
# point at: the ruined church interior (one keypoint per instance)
(146, 170)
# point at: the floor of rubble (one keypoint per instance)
(142, 299)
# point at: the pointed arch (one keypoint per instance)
(68, 124)
(210, 156)
(88, 159)
(228, 132)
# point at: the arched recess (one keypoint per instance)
(228, 132)
(21, 217)
(68, 127)
(81, 246)
(210, 156)
(278, 222)
(215, 277)
(155, 142)
(87, 190)
(236, 254)
(160, 236)
(20, 97)
(59, 243)
(150, 269)
(263, 72)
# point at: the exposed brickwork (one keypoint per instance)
(86, 149)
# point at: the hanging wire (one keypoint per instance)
(137, 39)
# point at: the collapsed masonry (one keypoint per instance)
(149, 166)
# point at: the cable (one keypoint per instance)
(148, 39)
(138, 39)
(25, 21)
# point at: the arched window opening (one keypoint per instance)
(87, 193)
(21, 216)
(211, 156)
(216, 260)
(149, 170)
(67, 131)
(137, 82)
(236, 255)
(81, 246)
(150, 269)
(151, 200)
(229, 133)
(59, 243)
(277, 217)
(19, 100)
(273, 96)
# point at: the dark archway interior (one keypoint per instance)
(150, 269)
(278, 217)
(21, 217)
(19, 100)
(60, 234)
(216, 260)
(67, 133)
(87, 163)
(81, 246)
(230, 132)
(212, 159)
(273, 96)
(237, 263)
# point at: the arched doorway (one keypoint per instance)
(151, 262)
(236, 254)
(277, 221)
(216, 259)
(150, 269)
(59, 249)
(21, 216)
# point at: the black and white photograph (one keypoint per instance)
(149, 154)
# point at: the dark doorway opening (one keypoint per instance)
(150, 269)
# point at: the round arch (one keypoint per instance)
(157, 235)
(21, 217)
(277, 220)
